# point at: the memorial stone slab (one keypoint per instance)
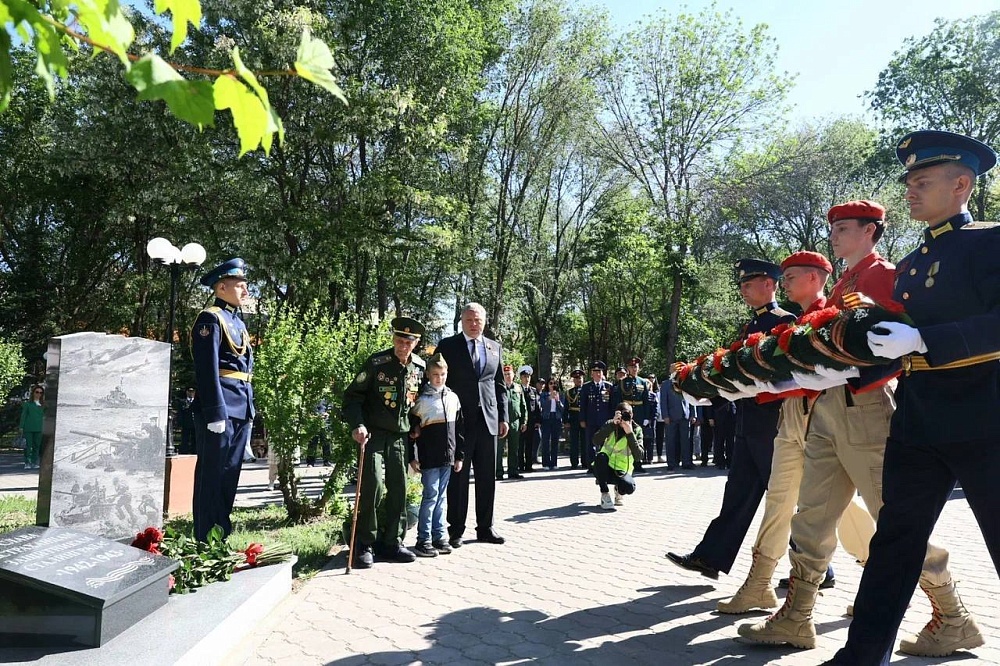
(103, 441)
(64, 587)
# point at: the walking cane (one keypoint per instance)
(357, 503)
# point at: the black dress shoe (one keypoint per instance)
(670, 468)
(397, 554)
(499, 477)
(489, 536)
(687, 466)
(514, 477)
(694, 564)
(455, 542)
(363, 559)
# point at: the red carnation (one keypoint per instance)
(717, 359)
(736, 346)
(700, 359)
(780, 328)
(684, 372)
(820, 318)
(754, 339)
(785, 339)
(252, 551)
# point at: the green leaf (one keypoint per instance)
(182, 12)
(314, 61)
(106, 25)
(6, 71)
(191, 101)
(274, 123)
(249, 115)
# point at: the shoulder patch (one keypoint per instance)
(204, 331)
(360, 379)
(381, 358)
(980, 225)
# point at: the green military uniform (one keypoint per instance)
(380, 398)
(517, 415)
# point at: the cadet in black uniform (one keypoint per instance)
(223, 407)
(756, 426)
(377, 408)
(596, 409)
(572, 418)
(950, 287)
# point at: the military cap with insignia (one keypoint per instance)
(747, 269)
(635, 360)
(926, 148)
(408, 328)
(808, 260)
(577, 372)
(599, 365)
(525, 370)
(235, 267)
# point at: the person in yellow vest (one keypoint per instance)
(619, 445)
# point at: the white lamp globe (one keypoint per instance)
(158, 248)
(193, 254)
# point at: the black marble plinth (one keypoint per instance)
(64, 587)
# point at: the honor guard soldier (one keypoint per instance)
(637, 392)
(377, 408)
(576, 433)
(756, 427)
(596, 408)
(950, 287)
(531, 427)
(223, 406)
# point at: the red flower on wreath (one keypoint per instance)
(684, 372)
(252, 551)
(785, 339)
(717, 358)
(820, 318)
(754, 339)
(701, 359)
(736, 346)
(780, 328)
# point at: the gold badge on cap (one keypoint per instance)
(904, 144)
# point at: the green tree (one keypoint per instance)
(11, 366)
(679, 92)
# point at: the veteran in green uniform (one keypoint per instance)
(377, 407)
(517, 416)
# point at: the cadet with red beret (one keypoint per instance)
(950, 287)
(846, 438)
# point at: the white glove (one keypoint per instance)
(693, 401)
(217, 427)
(824, 378)
(896, 340)
(778, 387)
(645, 423)
(740, 392)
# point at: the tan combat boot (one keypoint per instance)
(951, 627)
(757, 591)
(792, 624)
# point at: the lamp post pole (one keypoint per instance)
(189, 257)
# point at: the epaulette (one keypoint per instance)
(382, 357)
(980, 225)
(778, 312)
(416, 360)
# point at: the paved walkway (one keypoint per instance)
(574, 585)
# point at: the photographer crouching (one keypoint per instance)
(619, 444)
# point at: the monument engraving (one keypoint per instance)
(106, 413)
(60, 586)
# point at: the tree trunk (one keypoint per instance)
(673, 317)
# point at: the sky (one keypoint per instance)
(837, 48)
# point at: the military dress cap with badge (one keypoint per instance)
(927, 148)
(577, 372)
(407, 327)
(599, 365)
(525, 370)
(747, 269)
(234, 268)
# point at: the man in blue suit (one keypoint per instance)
(476, 376)
(223, 409)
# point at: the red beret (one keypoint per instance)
(508, 366)
(856, 210)
(803, 258)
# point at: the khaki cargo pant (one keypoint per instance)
(856, 526)
(844, 449)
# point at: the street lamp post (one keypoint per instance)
(189, 257)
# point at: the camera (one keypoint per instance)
(626, 416)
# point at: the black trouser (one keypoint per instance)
(480, 454)
(624, 483)
(724, 436)
(324, 442)
(529, 445)
(707, 440)
(217, 474)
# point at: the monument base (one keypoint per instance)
(178, 486)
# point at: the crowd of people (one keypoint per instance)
(805, 446)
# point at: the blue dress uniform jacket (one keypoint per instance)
(637, 392)
(223, 368)
(950, 287)
(750, 470)
(596, 409)
(223, 364)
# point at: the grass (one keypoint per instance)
(314, 542)
(16, 511)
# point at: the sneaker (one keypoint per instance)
(442, 547)
(618, 499)
(607, 503)
(364, 558)
(425, 549)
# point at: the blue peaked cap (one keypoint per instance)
(925, 148)
(235, 267)
(751, 268)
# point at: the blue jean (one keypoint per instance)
(551, 429)
(431, 519)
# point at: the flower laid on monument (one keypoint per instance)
(259, 555)
(149, 540)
